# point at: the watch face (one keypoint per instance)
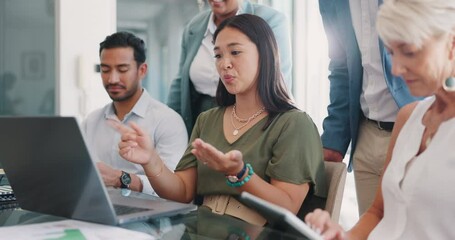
(125, 178)
(233, 179)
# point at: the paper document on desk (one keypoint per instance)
(70, 230)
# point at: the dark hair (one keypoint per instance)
(271, 88)
(126, 39)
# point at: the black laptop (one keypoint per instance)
(50, 170)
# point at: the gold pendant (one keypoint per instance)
(235, 132)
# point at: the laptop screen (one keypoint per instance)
(50, 169)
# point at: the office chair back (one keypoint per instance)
(336, 178)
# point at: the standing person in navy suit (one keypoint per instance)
(364, 96)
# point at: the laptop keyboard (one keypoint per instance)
(7, 198)
(122, 210)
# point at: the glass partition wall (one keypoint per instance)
(27, 57)
(160, 23)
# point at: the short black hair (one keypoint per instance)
(126, 39)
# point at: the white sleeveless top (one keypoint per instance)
(419, 191)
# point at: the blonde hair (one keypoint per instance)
(414, 21)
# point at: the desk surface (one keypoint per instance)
(198, 224)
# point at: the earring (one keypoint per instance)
(449, 84)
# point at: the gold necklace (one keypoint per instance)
(234, 115)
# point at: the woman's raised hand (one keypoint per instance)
(135, 145)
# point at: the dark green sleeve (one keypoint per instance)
(297, 153)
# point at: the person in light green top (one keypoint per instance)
(255, 141)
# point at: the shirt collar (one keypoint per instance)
(211, 27)
(139, 109)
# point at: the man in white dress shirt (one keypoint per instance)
(122, 57)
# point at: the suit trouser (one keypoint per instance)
(369, 158)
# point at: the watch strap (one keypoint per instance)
(123, 177)
(238, 176)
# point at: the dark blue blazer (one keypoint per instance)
(341, 126)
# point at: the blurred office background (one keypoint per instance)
(49, 50)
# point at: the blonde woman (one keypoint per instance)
(413, 201)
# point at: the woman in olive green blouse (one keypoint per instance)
(255, 141)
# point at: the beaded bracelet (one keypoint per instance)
(245, 180)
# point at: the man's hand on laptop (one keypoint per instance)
(111, 177)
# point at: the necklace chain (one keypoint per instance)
(234, 113)
(244, 121)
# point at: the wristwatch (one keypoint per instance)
(236, 178)
(125, 180)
